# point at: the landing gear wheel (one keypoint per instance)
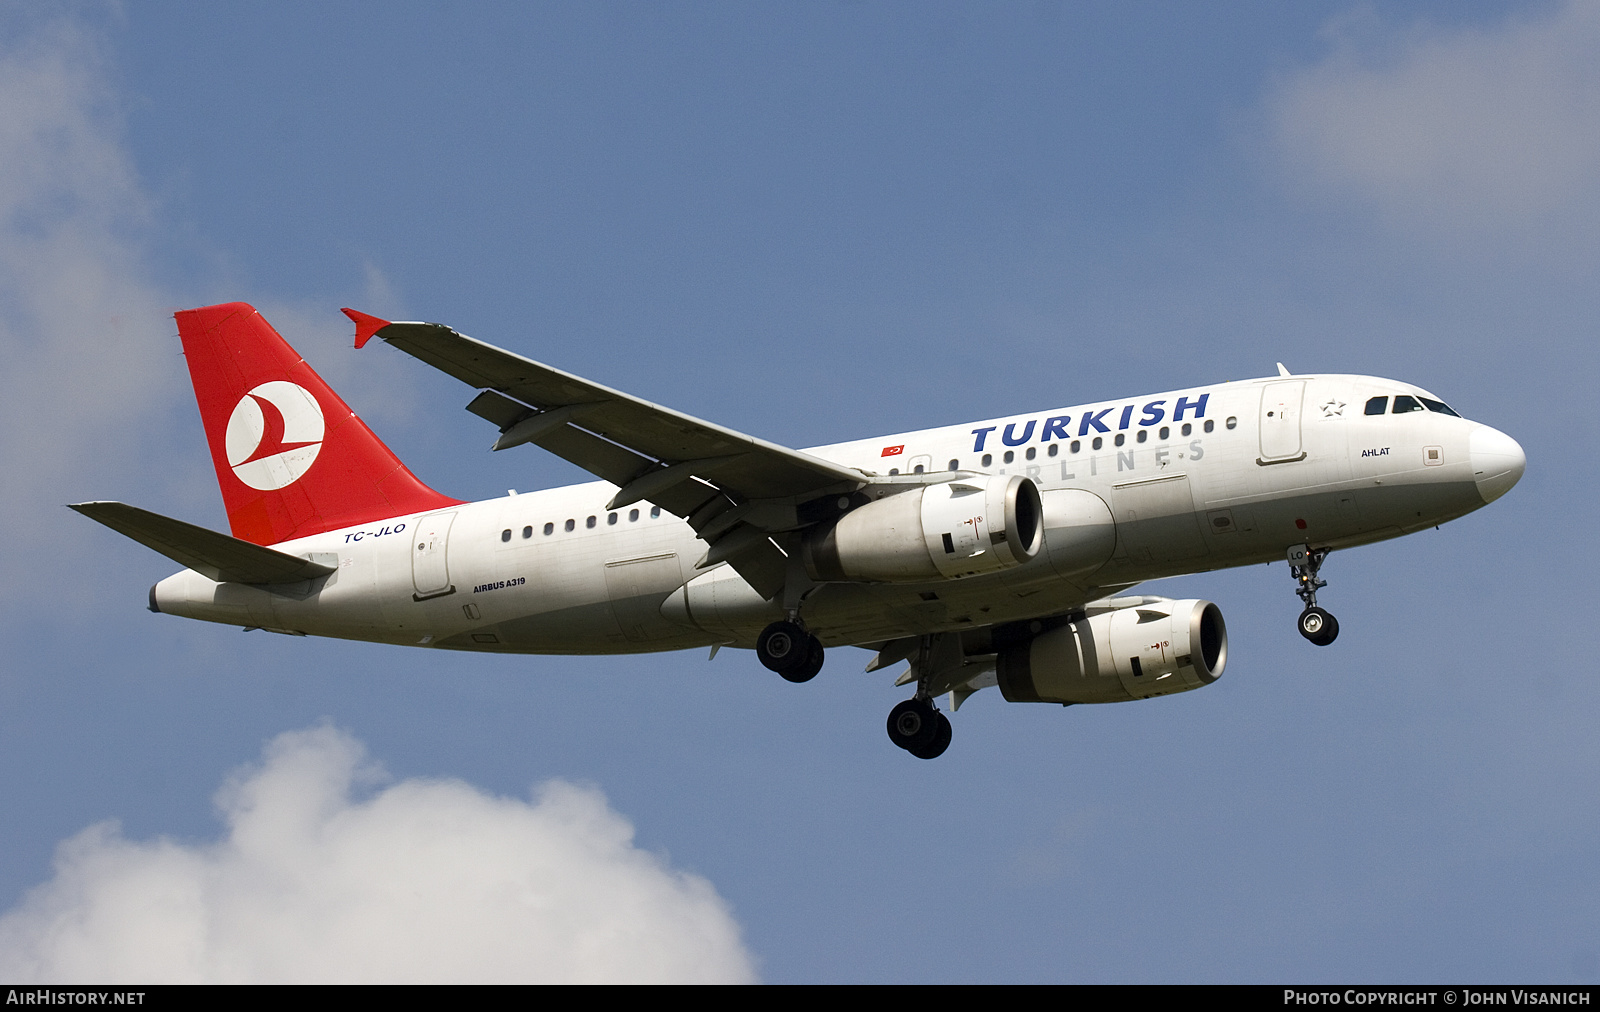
(807, 671)
(941, 740)
(1318, 626)
(914, 725)
(790, 651)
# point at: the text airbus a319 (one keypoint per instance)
(995, 553)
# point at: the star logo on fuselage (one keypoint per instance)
(1333, 408)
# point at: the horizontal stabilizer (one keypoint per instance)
(212, 555)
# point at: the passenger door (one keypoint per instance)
(1280, 421)
(430, 565)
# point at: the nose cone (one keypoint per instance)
(1497, 462)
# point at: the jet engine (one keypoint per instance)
(1150, 649)
(952, 529)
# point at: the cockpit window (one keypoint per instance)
(1439, 406)
(1403, 404)
(1377, 405)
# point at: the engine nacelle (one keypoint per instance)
(953, 529)
(1130, 653)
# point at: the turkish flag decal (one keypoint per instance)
(894, 451)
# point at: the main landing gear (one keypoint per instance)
(789, 650)
(1316, 624)
(937, 665)
(917, 727)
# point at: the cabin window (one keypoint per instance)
(1377, 405)
(1405, 405)
(1055, 448)
(1439, 406)
(894, 470)
(1187, 428)
(988, 459)
(1098, 442)
(1143, 435)
(954, 465)
(633, 515)
(611, 518)
(527, 532)
(549, 529)
(572, 525)
(1009, 457)
(1120, 439)
(1165, 433)
(1076, 446)
(917, 469)
(505, 535)
(1232, 422)
(655, 511)
(1032, 452)
(1210, 424)
(589, 523)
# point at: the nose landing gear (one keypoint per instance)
(1318, 626)
(1315, 623)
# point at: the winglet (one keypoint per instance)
(366, 326)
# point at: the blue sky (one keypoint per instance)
(817, 222)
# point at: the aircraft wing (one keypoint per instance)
(735, 490)
(215, 556)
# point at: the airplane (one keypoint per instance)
(995, 553)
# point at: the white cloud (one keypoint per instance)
(1481, 127)
(423, 881)
(90, 354)
(94, 393)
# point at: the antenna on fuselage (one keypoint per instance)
(1282, 371)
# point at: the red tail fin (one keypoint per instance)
(291, 457)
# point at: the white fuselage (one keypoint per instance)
(1132, 491)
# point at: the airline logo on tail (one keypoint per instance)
(274, 435)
